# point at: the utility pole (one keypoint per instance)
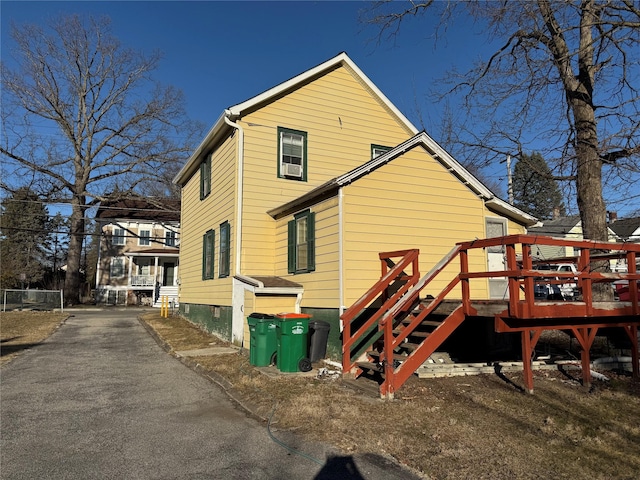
(509, 180)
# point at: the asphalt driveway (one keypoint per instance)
(100, 399)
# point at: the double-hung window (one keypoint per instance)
(117, 267)
(205, 177)
(208, 246)
(170, 238)
(118, 237)
(225, 250)
(144, 236)
(301, 243)
(292, 154)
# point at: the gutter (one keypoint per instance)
(240, 189)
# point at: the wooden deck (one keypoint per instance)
(402, 314)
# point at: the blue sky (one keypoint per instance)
(222, 53)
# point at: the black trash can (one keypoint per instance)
(318, 337)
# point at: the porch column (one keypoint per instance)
(155, 270)
(130, 268)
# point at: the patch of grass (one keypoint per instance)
(22, 330)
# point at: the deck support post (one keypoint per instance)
(632, 332)
(585, 337)
(526, 361)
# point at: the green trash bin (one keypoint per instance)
(292, 330)
(263, 338)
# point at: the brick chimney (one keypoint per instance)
(556, 213)
(613, 216)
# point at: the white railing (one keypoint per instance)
(142, 280)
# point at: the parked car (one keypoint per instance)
(562, 288)
(622, 292)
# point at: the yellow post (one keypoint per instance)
(164, 306)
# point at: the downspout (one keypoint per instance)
(240, 189)
(340, 256)
(237, 299)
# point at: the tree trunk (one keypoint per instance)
(74, 255)
(593, 211)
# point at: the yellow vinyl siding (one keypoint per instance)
(341, 119)
(199, 216)
(413, 202)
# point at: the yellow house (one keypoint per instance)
(292, 194)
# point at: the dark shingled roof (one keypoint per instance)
(560, 226)
(271, 282)
(625, 227)
(139, 208)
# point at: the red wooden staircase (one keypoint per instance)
(391, 331)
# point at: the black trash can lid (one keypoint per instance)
(261, 315)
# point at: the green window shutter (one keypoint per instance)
(212, 240)
(202, 173)
(208, 245)
(205, 178)
(291, 247)
(204, 256)
(225, 250)
(311, 241)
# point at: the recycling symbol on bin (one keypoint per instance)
(297, 330)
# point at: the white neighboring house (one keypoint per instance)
(569, 228)
(138, 253)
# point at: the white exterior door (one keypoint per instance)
(496, 259)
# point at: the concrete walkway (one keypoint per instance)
(101, 400)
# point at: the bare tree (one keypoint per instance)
(81, 114)
(566, 74)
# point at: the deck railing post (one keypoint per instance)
(464, 282)
(633, 284)
(513, 281)
(529, 294)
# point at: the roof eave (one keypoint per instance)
(214, 134)
(510, 211)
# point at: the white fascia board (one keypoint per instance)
(512, 212)
(434, 149)
(189, 167)
(280, 290)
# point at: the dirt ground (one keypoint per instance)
(473, 427)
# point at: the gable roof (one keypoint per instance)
(331, 187)
(221, 127)
(559, 226)
(139, 208)
(626, 227)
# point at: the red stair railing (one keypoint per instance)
(408, 258)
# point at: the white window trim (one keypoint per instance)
(121, 239)
(145, 228)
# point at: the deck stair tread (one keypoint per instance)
(369, 366)
(424, 323)
(415, 333)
